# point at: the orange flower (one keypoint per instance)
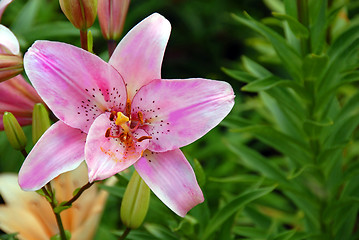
(31, 216)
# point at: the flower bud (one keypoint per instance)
(81, 13)
(10, 66)
(112, 15)
(14, 132)
(135, 202)
(40, 121)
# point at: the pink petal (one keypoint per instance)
(59, 150)
(138, 57)
(3, 5)
(8, 39)
(19, 98)
(76, 85)
(179, 112)
(171, 178)
(106, 156)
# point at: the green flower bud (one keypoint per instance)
(81, 13)
(135, 202)
(14, 132)
(40, 121)
(10, 66)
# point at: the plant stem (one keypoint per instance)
(111, 45)
(125, 233)
(24, 153)
(48, 192)
(82, 189)
(303, 17)
(83, 39)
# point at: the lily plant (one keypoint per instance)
(122, 113)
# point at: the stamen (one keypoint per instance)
(140, 117)
(128, 107)
(112, 115)
(143, 138)
(121, 119)
(107, 134)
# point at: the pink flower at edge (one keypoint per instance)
(122, 113)
(3, 5)
(19, 98)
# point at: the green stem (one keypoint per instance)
(49, 193)
(83, 39)
(111, 45)
(24, 153)
(60, 226)
(82, 189)
(303, 17)
(125, 233)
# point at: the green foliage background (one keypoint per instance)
(284, 163)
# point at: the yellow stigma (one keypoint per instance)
(121, 119)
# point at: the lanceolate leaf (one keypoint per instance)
(268, 83)
(239, 75)
(298, 29)
(232, 207)
(255, 68)
(293, 148)
(288, 55)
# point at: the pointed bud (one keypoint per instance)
(90, 41)
(135, 202)
(81, 13)
(14, 132)
(112, 15)
(40, 121)
(10, 66)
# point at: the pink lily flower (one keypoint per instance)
(122, 113)
(19, 98)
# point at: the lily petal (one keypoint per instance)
(9, 40)
(82, 86)
(29, 202)
(138, 57)
(19, 98)
(180, 111)
(3, 5)
(59, 150)
(171, 178)
(106, 156)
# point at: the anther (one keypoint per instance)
(140, 117)
(112, 115)
(107, 134)
(143, 138)
(128, 107)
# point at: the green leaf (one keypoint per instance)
(313, 66)
(159, 231)
(239, 75)
(232, 207)
(255, 68)
(290, 58)
(243, 178)
(26, 17)
(318, 29)
(253, 160)
(61, 208)
(293, 148)
(250, 232)
(298, 29)
(113, 190)
(200, 174)
(267, 83)
(11, 236)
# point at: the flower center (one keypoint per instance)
(123, 128)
